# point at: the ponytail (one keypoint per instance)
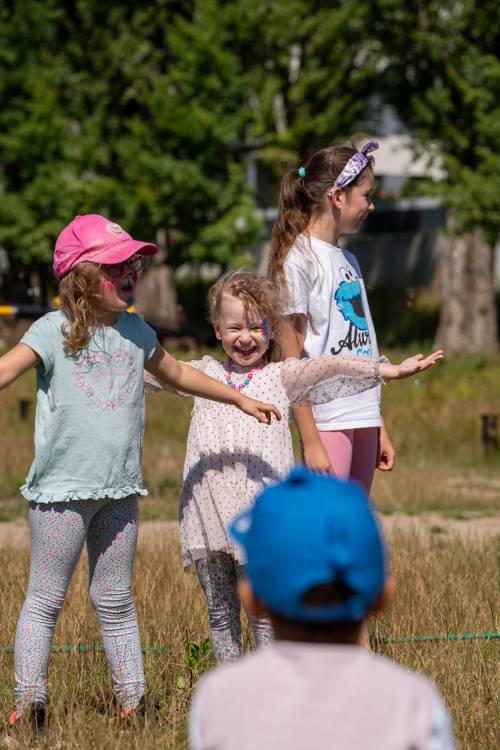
(294, 213)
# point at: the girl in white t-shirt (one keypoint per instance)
(327, 304)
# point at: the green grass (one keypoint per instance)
(435, 422)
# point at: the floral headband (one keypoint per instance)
(355, 166)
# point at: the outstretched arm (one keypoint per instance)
(17, 361)
(188, 380)
(386, 454)
(153, 385)
(410, 366)
(320, 380)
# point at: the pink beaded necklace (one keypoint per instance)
(229, 380)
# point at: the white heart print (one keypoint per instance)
(106, 378)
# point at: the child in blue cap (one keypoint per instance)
(317, 575)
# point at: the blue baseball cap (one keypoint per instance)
(310, 530)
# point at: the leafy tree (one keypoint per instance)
(312, 68)
(135, 112)
(442, 74)
(145, 113)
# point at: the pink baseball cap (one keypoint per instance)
(94, 238)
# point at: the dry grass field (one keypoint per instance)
(447, 578)
(443, 586)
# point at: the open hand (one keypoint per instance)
(410, 366)
(258, 409)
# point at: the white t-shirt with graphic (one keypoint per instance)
(325, 285)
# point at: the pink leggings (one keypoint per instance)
(353, 453)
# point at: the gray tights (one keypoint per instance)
(58, 533)
(218, 575)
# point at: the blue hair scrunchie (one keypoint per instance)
(301, 171)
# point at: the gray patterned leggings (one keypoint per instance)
(218, 575)
(58, 533)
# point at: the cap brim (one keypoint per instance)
(120, 251)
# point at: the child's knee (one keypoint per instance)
(43, 605)
(114, 603)
(221, 618)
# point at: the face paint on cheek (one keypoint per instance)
(107, 285)
(266, 329)
(262, 331)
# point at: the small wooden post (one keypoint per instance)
(24, 408)
(489, 431)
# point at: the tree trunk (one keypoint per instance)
(468, 321)
(156, 299)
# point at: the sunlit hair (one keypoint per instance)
(256, 293)
(78, 292)
(302, 198)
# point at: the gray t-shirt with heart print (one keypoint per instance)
(90, 411)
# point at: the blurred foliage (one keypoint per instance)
(137, 112)
(147, 112)
(441, 72)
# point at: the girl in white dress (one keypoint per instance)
(231, 457)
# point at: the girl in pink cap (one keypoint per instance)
(86, 476)
(327, 306)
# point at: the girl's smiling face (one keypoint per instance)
(244, 334)
(357, 204)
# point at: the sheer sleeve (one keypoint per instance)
(153, 385)
(320, 380)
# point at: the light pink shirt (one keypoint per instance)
(300, 696)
